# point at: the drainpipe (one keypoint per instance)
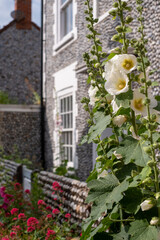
(42, 102)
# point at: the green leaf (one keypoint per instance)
(104, 192)
(102, 236)
(157, 98)
(132, 150)
(128, 30)
(123, 99)
(102, 121)
(121, 236)
(154, 84)
(131, 202)
(99, 48)
(158, 107)
(111, 55)
(141, 230)
(84, 139)
(89, 79)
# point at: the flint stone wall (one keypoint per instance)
(20, 52)
(73, 196)
(20, 126)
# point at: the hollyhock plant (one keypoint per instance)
(124, 186)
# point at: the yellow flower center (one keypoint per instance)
(127, 64)
(138, 104)
(121, 84)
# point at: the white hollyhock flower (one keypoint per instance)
(119, 120)
(114, 106)
(125, 62)
(157, 113)
(154, 221)
(122, 62)
(117, 155)
(146, 205)
(92, 95)
(117, 82)
(103, 174)
(137, 102)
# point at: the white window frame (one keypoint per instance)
(61, 43)
(62, 94)
(70, 163)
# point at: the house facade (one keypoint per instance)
(65, 74)
(20, 81)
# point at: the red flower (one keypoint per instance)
(48, 208)
(22, 216)
(41, 202)
(30, 229)
(14, 219)
(49, 216)
(68, 215)
(12, 234)
(56, 211)
(55, 199)
(5, 238)
(56, 186)
(16, 228)
(27, 191)
(2, 191)
(50, 232)
(14, 211)
(32, 222)
(17, 186)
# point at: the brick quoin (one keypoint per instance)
(25, 7)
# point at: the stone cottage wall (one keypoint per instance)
(20, 62)
(20, 127)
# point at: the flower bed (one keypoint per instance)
(25, 218)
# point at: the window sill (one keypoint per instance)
(64, 41)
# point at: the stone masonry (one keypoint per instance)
(74, 52)
(20, 65)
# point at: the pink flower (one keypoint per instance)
(80, 234)
(4, 238)
(2, 191)
(22, 216)
(49, 216)
(48, 208)
(27, 191)
(17, 186)
(16, 228)
(50, 232)
(30, 229)
(41, 202)
(12, 234)
(56, 186)
(55, 199)
(56, 211)
(32, 222)
(68, 215)
(14, 219)
(14, 211)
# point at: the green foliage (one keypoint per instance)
(5, 99)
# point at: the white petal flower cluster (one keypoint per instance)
(119, 120)
(92, 95)
(116, 71)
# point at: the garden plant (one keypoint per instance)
(24, 216)
(124, 185)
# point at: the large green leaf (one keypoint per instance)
(121, 236)
(141, 230)
(132, 150)
(101, 122)
(104, 192)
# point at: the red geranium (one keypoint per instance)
(56, 211)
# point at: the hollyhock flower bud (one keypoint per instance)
(119, 120)
(92, 95)
(147, 204)
(154, 221)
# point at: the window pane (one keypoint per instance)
(66, 19)
(63, 1)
